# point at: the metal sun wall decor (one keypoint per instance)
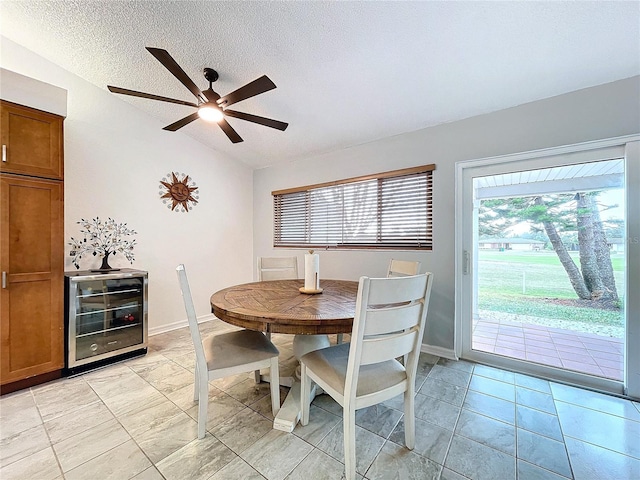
(178, 192)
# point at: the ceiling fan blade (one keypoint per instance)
(133, 93)
(170, 64)
(267, 122)
(231, 133)
(182, 122)
(258, 86)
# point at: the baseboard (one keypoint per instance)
(30, 382)
(176, 325)
(448, 353)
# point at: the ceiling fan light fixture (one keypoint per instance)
(210, 112)
(210, 106)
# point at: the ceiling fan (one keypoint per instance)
(211, 106)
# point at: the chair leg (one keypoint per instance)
(274, 371)
(338, 338)
(256, 374)
(195, 385)
(203, 401)
(349, 424)
(409, 417)
(305, 394)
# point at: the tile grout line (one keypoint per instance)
(123, 427)
(453, 433)
(564, 441)
(44, 427)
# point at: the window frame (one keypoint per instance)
(305, 212)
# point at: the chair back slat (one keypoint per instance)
(388, 291)
(403, 268)
(277, 268)
(392, 319)
(191, 317)
(387, 347)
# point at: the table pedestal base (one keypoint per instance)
(284, 381)
(290, 411)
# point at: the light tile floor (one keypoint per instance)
(135, 419)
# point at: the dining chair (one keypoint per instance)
(397, 268)
(402, 268)
(277, 268)
(389, 322)
(224, 355)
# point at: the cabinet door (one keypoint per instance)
(31, 141)
(32, 294)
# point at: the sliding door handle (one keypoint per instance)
(466, 262)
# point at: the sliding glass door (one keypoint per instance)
(547, 264)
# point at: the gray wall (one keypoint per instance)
(595, 113)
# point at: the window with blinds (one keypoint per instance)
(387, 210)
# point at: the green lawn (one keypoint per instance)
(519, 283)
(544, 257)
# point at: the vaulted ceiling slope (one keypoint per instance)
(347, 73)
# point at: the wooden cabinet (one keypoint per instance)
(31, 142)
(31, 248)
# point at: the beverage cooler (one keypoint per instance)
(105, 317)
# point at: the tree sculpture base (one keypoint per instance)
(105, 267)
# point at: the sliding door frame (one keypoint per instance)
(466, 255)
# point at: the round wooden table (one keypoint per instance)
(277, 306)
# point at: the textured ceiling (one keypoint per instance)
(347, 72)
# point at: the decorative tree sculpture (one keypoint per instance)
(103, 239)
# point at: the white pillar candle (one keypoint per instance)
(311, 271)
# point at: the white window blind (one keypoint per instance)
(386, 210)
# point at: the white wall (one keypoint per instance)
(33, 93)
(115, 157)
(604, 111)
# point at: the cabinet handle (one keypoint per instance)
(4, 153)
(4, 279)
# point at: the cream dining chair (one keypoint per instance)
(277, 268)
(402, 268)
(224, 355)
(389, 322)
(397, 268)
